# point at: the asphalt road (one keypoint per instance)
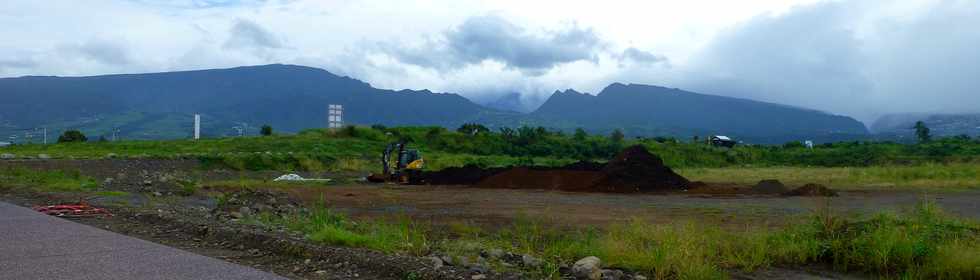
(36, 246)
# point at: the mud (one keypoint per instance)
(636, 169)
(466, 175)
(632, 170)
(811, 190)
(770, 187)
(548, 179)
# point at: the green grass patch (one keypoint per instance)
(321, 224)
(924, 243)
(111, 193)
(47, 181)
(928, 176)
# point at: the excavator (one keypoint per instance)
(400, 165)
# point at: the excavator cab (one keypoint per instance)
(402, 165)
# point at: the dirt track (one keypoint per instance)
(494, 206)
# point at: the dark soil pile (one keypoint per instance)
(584, 166)
(636, 169)
(633, 170)
(770, 187)
(466, 175)
(553, 179)
(811, 190)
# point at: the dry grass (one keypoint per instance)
(929, 176)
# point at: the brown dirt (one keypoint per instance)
(770, 187)
(275, 250)
(718, 189)
(632, 170)
(548, 179)
(466, 175)
(811, 190)
(635, 169)
(495, 207)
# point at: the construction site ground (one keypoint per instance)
(447, 204)
(150, 211)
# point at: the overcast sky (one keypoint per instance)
(860, 58)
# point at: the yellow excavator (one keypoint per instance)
(400, 164)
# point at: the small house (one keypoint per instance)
(722, 141)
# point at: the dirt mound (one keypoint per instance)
(636, 169)
(811, 190)
(770, 187)
(466, 175)
(553, 179)
(632, 170)
(584, 166)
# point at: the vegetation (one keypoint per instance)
(474, 144)
(922, 132)
(46, 181)
(924, 243)
(266, 130)
(72, 136)
(929, 176)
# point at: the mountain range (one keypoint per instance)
(291, 98)
(900, 126)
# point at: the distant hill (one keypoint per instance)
(292, 98)
(288, 97)
(653, 110)
(900, 125)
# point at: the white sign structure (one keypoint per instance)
(197, 126)
(335, 116)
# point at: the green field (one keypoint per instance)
(924, 243)
(943, 163)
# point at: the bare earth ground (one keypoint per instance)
(441, 204)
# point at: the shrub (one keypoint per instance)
(72, 136)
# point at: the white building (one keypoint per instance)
(4, 144)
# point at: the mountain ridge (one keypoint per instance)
(294, 97)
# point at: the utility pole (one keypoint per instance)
(45, 135)
(197, 126)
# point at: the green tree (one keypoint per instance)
(617, 136)
(472, 129)
(580, 134)
(793, 145)
(266, 130)
(922, 132)
(72, 135)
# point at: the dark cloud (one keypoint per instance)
(850, 58)
(101, 51)
(494, 38)
(246, 34)
(807, 57)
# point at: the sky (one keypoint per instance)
(860, 58)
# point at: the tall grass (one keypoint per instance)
(321, 224)
(54, 180)
(933, 176)
(922, 244)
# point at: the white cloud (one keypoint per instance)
(860, 58)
